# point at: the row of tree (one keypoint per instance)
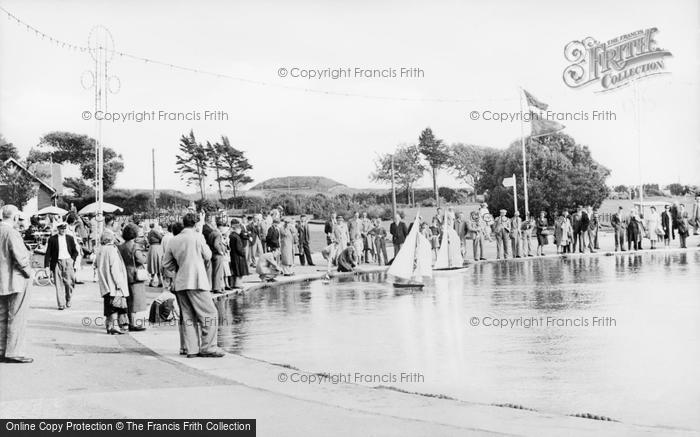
(674, 189)
(561, 173)
(196, 162)
(409, 163)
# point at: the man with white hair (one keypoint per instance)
(15, 274)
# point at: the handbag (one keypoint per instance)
(119, 301)
(141, 274)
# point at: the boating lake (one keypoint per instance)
(617, 336)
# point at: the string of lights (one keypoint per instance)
(66, 45)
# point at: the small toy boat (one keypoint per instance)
(413, 261)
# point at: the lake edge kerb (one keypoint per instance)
(307, 277)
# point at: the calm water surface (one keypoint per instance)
(641, 365)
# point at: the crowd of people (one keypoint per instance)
(203, 254)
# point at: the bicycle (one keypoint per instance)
(42, 275)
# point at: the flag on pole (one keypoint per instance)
(509, 182)
(532, 101)
(541, 127)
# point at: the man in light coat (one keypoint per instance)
(15, 274)
(516, 233)
(186, 256)
(501, 229)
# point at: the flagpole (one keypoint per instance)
(639, 145)
(522, 145)
(515, 196)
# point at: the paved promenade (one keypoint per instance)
(79, 371)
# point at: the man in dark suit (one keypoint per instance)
(586, 242)
(304, 241)
(618, 221)
(576, 222)
(273, 236)
(398, 231)
(61, 253)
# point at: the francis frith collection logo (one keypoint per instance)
(616, 62)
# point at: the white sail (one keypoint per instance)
(450, 253)
(414, 258)
(424, 257)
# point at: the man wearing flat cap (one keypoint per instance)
(501, 230)
(61, 253)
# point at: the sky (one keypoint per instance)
(479, 53)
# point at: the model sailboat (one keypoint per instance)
(449, 256)
(413, 261)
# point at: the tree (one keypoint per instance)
(408, 169)
(435, 153)
(234, 165)
(79, 187)
(192, 163)
(16, 186)
(467, 161)
(215, 152)
(7, 150)
(561, 175)
(68, 147)
(677, 189)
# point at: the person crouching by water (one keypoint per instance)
(268, 268)
(185, 256)
(134, 257)
(114, 285)
(348, 259)
(239, 264)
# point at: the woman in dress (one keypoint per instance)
(155, 255)
(114, 286)
(542, 236)
(558, 232)
(653, 225)
(567, 233)
(340, 233)
(134, 257)
(287, 247)
(225, 231)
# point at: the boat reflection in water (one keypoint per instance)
(609, 335)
